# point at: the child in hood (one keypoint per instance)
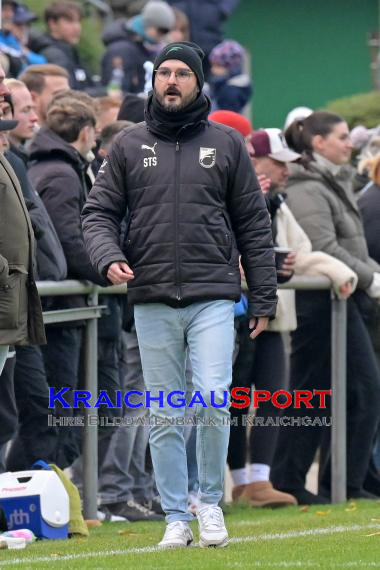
(230, 87)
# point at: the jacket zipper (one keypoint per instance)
(127, 239)
(176, 216)
(228, 235)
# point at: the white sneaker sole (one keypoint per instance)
(213, 543)
(168, 545)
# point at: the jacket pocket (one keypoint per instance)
(13, 300)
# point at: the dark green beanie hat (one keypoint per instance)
(188, 52)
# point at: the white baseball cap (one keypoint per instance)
(297, 114)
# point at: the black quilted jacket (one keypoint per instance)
(193, 205)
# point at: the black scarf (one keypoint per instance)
(168, 124)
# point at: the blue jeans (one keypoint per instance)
(165, 334)
(3, 356)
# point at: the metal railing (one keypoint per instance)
(93, 312)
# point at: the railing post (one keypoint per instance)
(90, 439)
(338, 407)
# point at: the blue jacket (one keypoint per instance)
(11, 46)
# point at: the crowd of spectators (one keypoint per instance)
(57, 126)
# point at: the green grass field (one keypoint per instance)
(331, 536)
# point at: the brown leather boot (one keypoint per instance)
(262, 494)
(237, 491)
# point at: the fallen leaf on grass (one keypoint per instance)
(322, 513)
(127, 533)
(373, 534)
(304, 509)
(351, 507)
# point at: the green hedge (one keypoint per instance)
(362, 109)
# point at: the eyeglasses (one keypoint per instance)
(181, 75)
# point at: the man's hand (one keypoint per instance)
(264, 182)
(346, 290)
(257, 325)
(119, 272)
(287, 268)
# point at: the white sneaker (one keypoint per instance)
(110, 518)
(177, 535)
(212, 531)
(12, 542)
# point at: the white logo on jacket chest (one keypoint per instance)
(149, 160)
(207, 157)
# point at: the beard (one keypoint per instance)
(184, 101)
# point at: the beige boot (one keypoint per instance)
(262, 494)
(236, 492)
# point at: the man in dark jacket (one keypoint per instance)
(35, 439)
(135, 41)
(58, 173)
(59, 45)
(193, 203)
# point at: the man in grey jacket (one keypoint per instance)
(193, 204)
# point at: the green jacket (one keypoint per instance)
(326, 209)
(20, 308)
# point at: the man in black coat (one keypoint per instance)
(58, 173)
(133, 42)
(59, 44)
(193, 204)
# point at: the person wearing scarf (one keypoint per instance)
(193, 205)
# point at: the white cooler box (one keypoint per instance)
(36, 500)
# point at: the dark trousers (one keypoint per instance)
(109, 380)
(8, 408)
(62, 356)
(35, 439)
(62, 362)
(260, 363)
(373, 325)
(310, 368)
